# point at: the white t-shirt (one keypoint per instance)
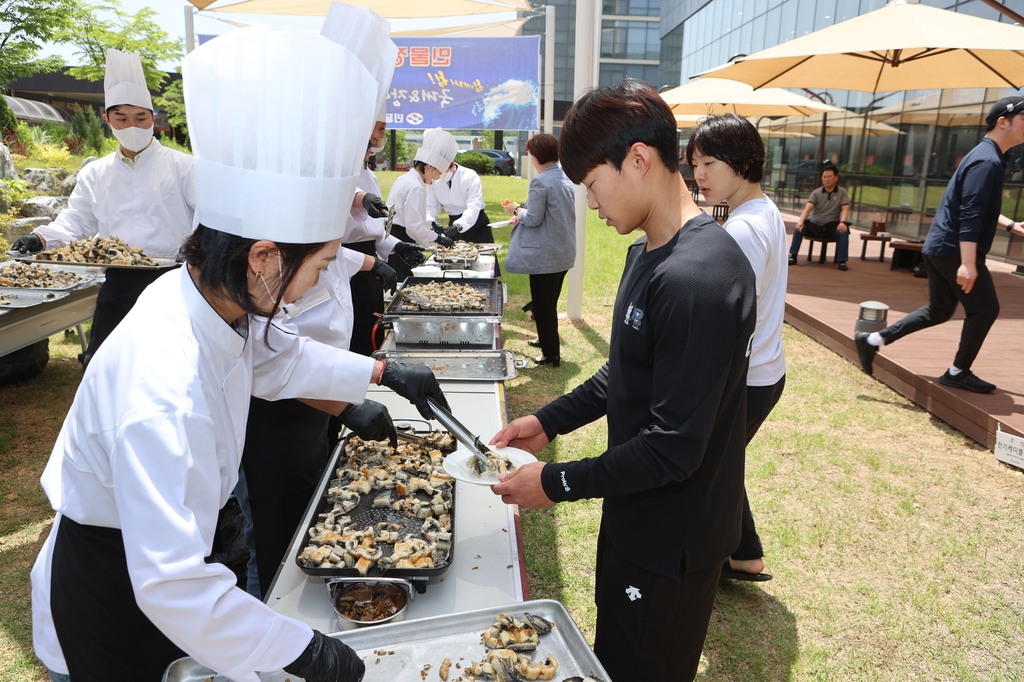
(758, 228)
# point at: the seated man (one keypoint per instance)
(831, 207)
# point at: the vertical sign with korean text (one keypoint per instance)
(465, 83)
(1009, 449)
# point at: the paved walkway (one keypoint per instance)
(824, 302)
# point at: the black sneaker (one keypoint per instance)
(865, 350)
(967, 381)
(792, 259)
(842, 266)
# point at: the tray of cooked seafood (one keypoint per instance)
(385, 512)
(531, 640)
(460, 255)
(100, 252)
(15, 275)
(459, 365)
(17, 298)
(426, 296)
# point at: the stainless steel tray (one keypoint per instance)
(26, 298)
(412, 644)
(473, 365)
(161, 264)
(88, 276)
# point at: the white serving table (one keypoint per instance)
(487, 569)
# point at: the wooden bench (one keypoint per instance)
(824, 241)
(874, 236)
(905, 254)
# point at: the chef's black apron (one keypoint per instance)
(115, 299)
(367, 299)
(102, 632)
(284, 456)
(480, 233)
(396, 261)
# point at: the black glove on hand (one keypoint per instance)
(415, 383)
(375, 206)
(370, 421)
(327, 660)
(445, 241)
(30, 243)
(385, 274)
(453, 233)
(410, 253)
(436, 227)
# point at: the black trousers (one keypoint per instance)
(981, 307)
(650, 627)
(102, 632)
(367, 304)
(760, 402)
(115, 299)
(397, 262)
(545, 289)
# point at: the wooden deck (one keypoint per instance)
(824, 302)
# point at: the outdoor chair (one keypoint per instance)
(824, 241)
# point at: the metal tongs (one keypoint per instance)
(464, 435)
(389, 220)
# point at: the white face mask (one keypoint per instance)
(133, 139)
(375, 150)
(290, 310)
(446, 176)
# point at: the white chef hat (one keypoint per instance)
(364, 33)
(439, 149)
(124, 81)
(277, 138)
(382, 115)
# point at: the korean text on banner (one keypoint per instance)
(1009, 449)
(465, 83)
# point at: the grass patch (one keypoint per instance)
(893, 539)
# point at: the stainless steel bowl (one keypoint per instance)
(378, 602)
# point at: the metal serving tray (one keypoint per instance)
(365, 514)
(494, 304)
(26, 298)
(474, 328)
(413, 644)
(88, 275)
(460, 365)
(161, 264)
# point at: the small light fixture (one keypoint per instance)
(872, 317)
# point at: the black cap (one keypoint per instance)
(1007, 106)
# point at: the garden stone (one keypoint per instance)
(87, 160)
(67, 185)
(7, 169)
(48, 207)
(58, 173)
(5, 205)
(22, 226)
(40, 179)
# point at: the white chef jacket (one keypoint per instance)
(150, 205)
(361, 227)
(152, 445)
(331, 321)
(409, 197)
(465, 197)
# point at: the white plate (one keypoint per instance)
(457, 465)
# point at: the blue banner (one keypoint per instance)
(465, 83)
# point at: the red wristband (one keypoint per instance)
(383, 364)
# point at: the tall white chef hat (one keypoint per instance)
(363, 32)
(124, 82)
(439, 149)
(277, 138)
(382, 115)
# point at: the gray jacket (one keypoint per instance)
(544, 239)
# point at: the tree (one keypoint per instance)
(172, 100)
(404, 150)
(92, 32)
(24, 26)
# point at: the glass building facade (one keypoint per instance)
(897, 177)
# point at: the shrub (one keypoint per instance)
(171, 143)
(481, 163)
(74, 143)
(8, 121)
(17, 193)
(88, 126)
(5, 246)
(52, 155)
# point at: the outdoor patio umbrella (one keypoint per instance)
(385, 8)
(927, 110)
(902, 46)
(722, 96)
(692, 120)
(846, 123)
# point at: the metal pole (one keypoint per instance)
(393, 151)
(190, 31)
(549, 69)
(583, 79)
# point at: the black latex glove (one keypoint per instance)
(436, 227)
(445, 241)
(327, 660)
(30, 243)
(375, 206)
(385, 274)
(415, 383)
(410, 253)
(370, 421)
(453, 233)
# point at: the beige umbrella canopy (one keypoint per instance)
(722, 96)
(391, 9)
(937, 108)
(693, 120)
(846, 123)
(902, 46)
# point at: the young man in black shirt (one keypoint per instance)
(673, 391)
(954, 251)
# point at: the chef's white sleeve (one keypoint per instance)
(416, 223)
(386, 246)
(168, 488)
(77, 221)
(433, 204)
(474, 192)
